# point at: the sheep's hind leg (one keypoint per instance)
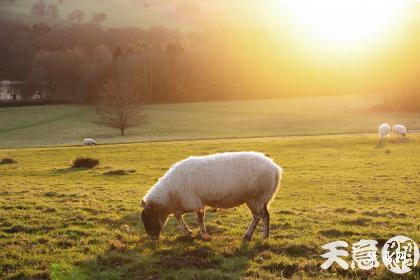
(248, 234)
(200, 220)
(182, 226)
(265, 221)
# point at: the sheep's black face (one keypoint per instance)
(153, 220)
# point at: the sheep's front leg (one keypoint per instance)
(200, 220)
(255, 219)
(265, 221)
(182, 226)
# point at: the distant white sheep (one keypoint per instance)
(222, 180)
(399, 129)
(89, 142)
(384, 130)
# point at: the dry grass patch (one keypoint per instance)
(84, 162)
(7, 160)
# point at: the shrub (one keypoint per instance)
(7, 161)
(32, 102)
(84, 162)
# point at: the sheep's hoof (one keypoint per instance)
(246, 238)
(205, 236)
(265, 234)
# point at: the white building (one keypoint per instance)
(10, 90)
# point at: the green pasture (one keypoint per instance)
(60, 223)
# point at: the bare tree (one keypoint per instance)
(39, 8)
(59, 72)
(120, 107)
(47, 69)
(52, 11)
(98, 17)
(76, 16)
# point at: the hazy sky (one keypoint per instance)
(145, 13)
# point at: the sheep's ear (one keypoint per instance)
(143, 204)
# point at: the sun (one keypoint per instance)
(344, 23)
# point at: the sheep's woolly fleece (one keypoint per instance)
(221, 180)
(384, 129)
(89, 141)
(399, 129)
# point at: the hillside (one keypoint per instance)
(68, 125)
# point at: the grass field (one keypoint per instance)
(68, 125)
(81, 224)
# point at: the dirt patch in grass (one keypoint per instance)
(53, 194)
(285, 212)
(344, 210)
(199, 258)
(285, 269)
(336, 233)
(358, 222)
(298, 250)
(20, 228)
(119, 172)
(389, 214)
(281, 226)
(312, 269)
(372, 213)
(183, 262)
(27, 229)
(115, 259)
(198, 253)
(65, 243)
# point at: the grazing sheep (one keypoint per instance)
(89, 142)
(399, 129)
(384, 130)
(222, 180)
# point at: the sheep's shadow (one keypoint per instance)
(381, 144)
(399, 140)
(132, 255)
(127, 259)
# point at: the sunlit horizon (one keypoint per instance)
(344, 23)
(266, 48)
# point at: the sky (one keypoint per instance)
(330, 26)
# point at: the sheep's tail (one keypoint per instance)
(277, 178)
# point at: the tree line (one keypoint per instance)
(76, 61)
(51, 11)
